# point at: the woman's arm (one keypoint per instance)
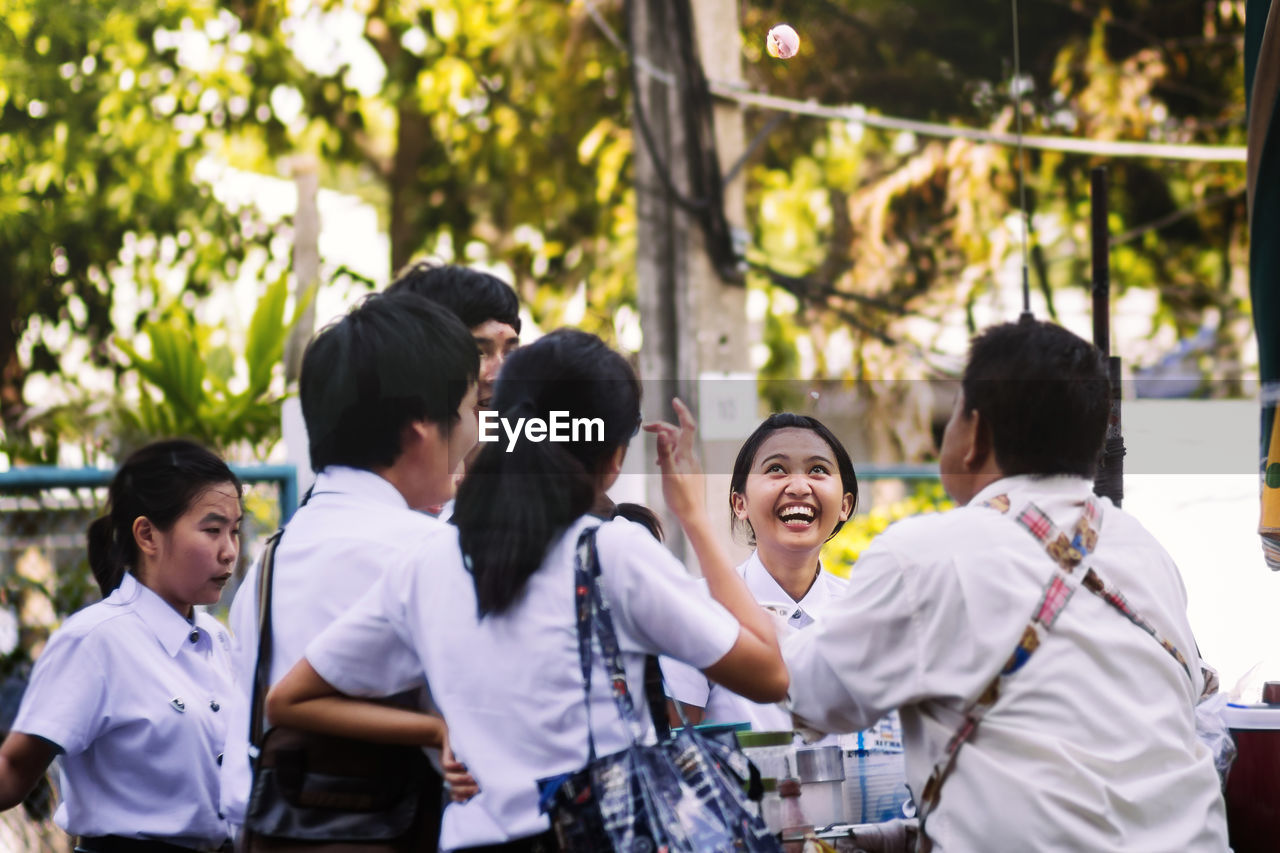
(304, 700)
(692, 713)
(23, 760)
(753, 667)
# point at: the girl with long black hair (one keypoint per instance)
(493, 625)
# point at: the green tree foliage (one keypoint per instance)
(189, 381)
(496, 132)
(892, 230)
(102, 123)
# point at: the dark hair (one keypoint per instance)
(393, 360)
(159, 482)
(641, 515)
(1044, 394)
(770, 425)
(474, 297)
(511, 505)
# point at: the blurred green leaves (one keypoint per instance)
(188, 381)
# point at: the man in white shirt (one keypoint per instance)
(1047, 687)
(389, 397)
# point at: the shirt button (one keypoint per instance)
(219, 764)
(194, 636)
(796, 615)
(213, 704)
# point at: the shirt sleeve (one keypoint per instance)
(657, 602)
(369, 650)
(862, 658)
(66, 701)
(684, 683)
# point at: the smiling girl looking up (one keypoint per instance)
(131, 691)
(793, 488)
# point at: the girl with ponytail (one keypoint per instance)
(493, 624)
(130, 690)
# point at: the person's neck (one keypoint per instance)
(795, 571)
(185, 610)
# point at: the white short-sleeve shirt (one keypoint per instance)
(354, 526)
(510, 685)
(139, 711)
(721, 705)
(1091, 746)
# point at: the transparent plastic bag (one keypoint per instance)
(1213, 733)
(684, 796)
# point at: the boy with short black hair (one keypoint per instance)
(389, 397)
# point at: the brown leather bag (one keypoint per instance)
(314, 792)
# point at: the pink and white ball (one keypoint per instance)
(783, 42)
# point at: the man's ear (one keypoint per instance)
(146, 536)
(981, 445)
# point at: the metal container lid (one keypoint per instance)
(1252, 717)
(820, 764)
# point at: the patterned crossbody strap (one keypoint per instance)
(1067, 552)
(1038, 524)
(595, 627)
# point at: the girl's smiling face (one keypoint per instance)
(794, 496)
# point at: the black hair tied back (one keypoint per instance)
(516, 500)
(159, 482)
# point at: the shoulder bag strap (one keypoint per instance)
(583, 554)
(1066, 554)
(601, 621)
(262, 668)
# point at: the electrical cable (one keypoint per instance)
(1022, 165)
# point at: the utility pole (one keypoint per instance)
(694, 323)
(306, 261)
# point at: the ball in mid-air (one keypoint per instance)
(782, 42)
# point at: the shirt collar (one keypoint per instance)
(170, 627)
(1066, 487)
(766, 589)
(358, 483)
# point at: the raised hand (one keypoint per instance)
(683, 483)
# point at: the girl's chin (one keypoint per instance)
(807, 535)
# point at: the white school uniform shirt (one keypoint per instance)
(140, 712)
(1091, 746)
(721, 705)
(510, 685)
(354, 526)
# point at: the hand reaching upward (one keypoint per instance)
(683, 483)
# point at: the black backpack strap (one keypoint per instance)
(262, 668)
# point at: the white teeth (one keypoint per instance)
(796, 511)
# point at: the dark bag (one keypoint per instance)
(332, 794)
(684, 795)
